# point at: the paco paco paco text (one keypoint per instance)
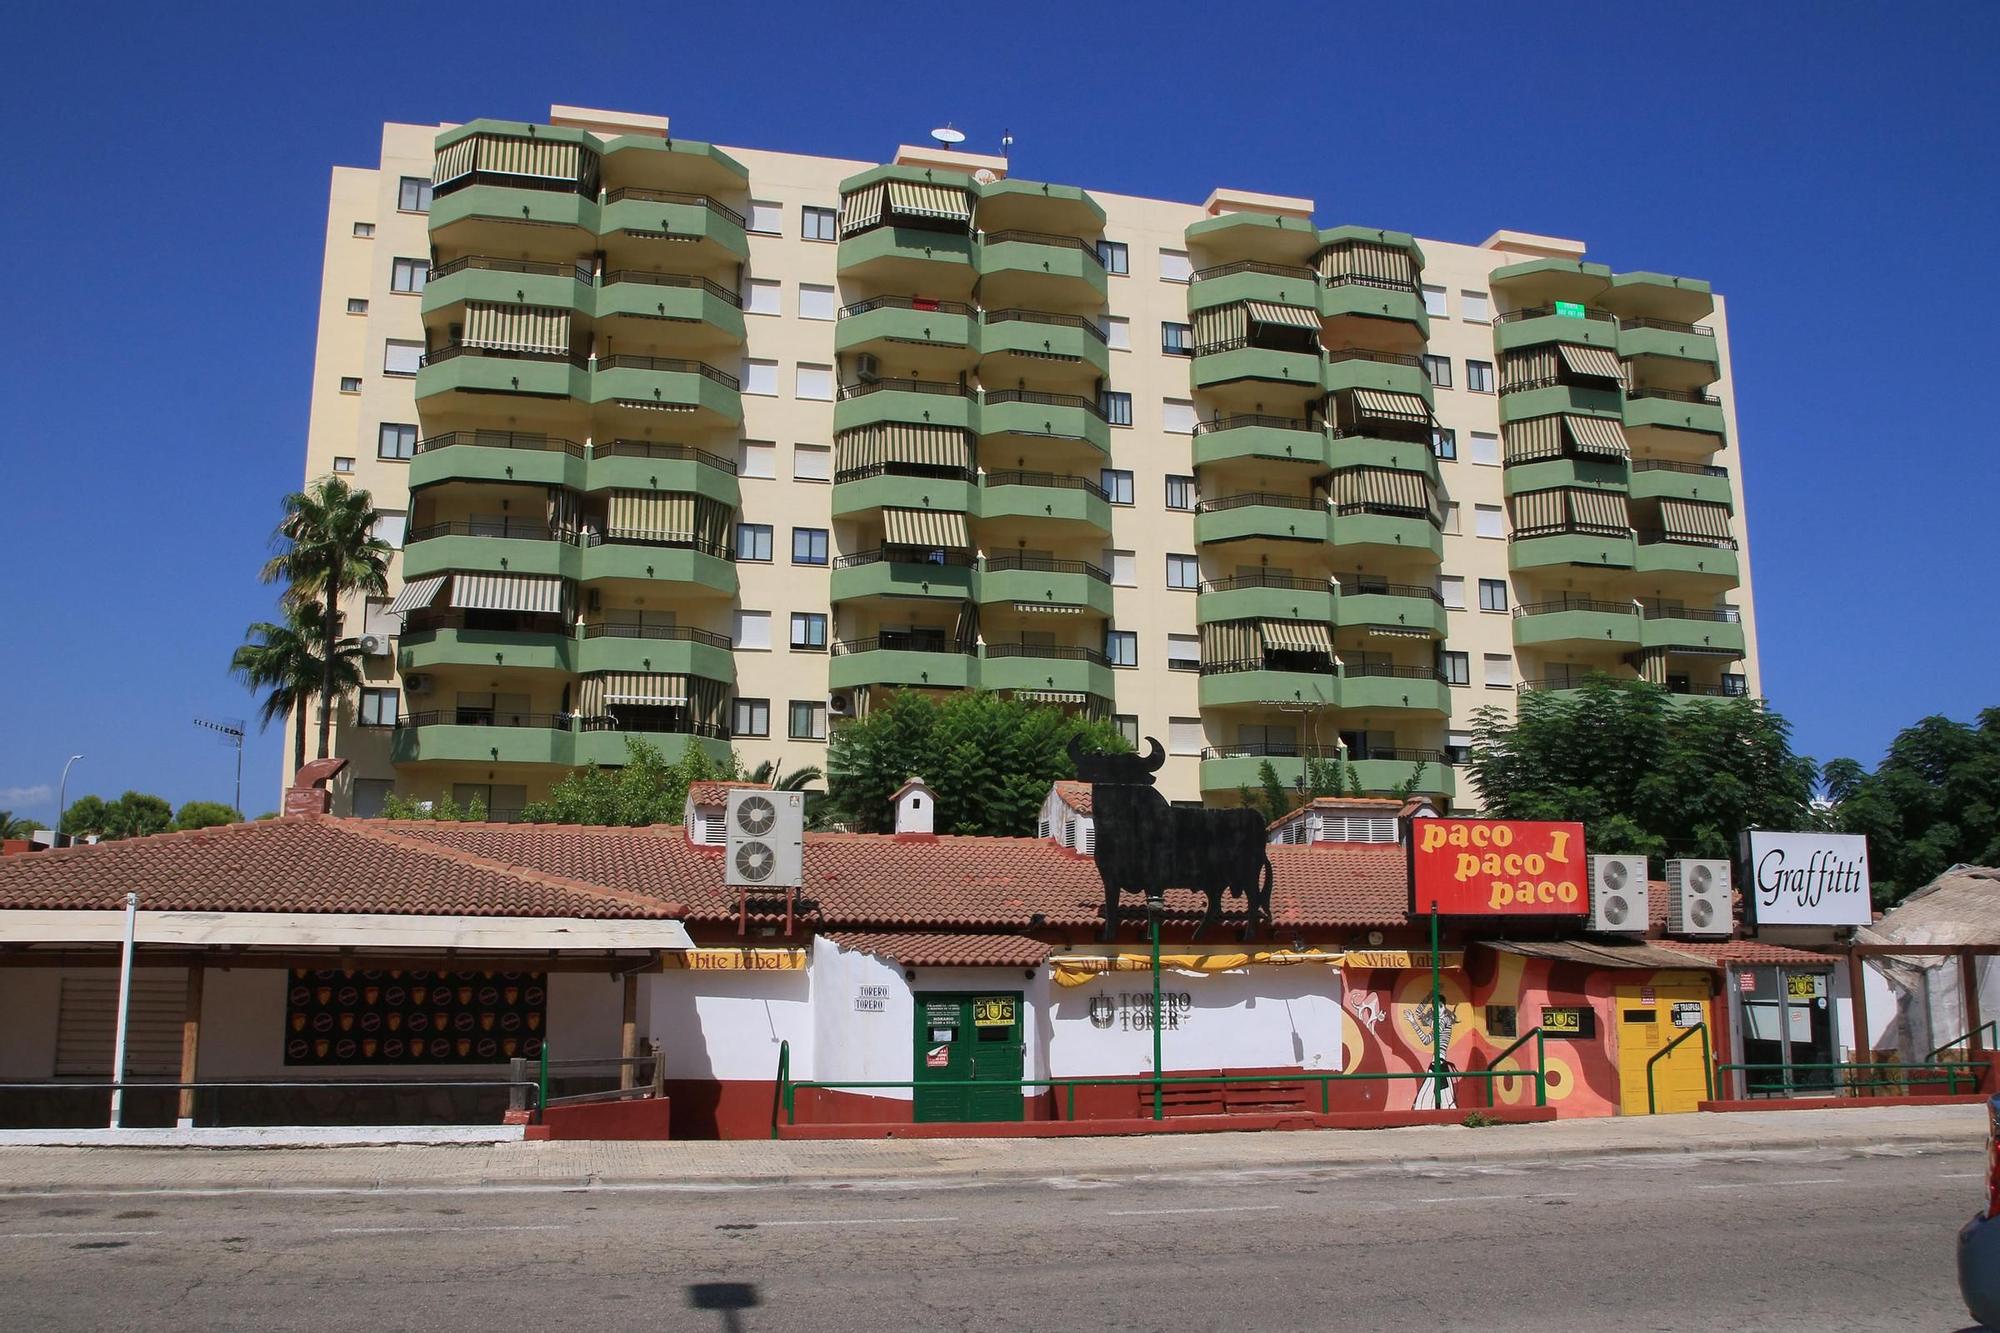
(1516, 879)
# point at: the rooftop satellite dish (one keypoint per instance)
(947, 136)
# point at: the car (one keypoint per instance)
(1979, 1239)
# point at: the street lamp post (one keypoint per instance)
(62, 800)
(1156, 906)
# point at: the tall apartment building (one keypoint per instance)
(719, 446)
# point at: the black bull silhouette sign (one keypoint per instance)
(1147, 846)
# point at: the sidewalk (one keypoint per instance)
(759, 1163)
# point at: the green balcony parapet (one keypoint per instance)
(875, 486)
(668, 381)
(906, 319)
(1044, 580)
(566, 286)
(1252, 280)
(457, 367)
(1260, 437)
(1663, 479)
(916, 661)
(1043, 495)
(1577, 621)
(904, 572)
(1264, 594)
(919, 402)
(524, 458)
(1710, 629)
(1674, 409)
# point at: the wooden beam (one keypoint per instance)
(628, 1031)
(1857, 991)
(190, 1041)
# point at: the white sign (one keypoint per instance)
(871, 999)
(1808, 879)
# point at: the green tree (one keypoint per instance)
(777, 779)
(286, 664)
(1932, 803)
(989, 760)
(1644, 774)
(442, 808)
(326, 547)
(133, 815)
(206, 814)
(17, 826)
(647, 789)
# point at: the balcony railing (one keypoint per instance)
(1268, 499)
(673, 364)
(938, 387)
(1245, 420)
(1570, 530)
(1045, 479)
(1359, 585)
(1720, 615)
(899, 643)
(1090, 405)
(919, 471)
(1050, 652)
(1668, 465)
(533, 267)
(907, 555)
(668, 633)
(1266, 578)
(1041, 564)
(485, 717)
(671, 727)
(1575, 604)
(513, 529)
(1302, 750)
(1543, 312)
(677, 453)
(1668, 325)
(1089, 326)
(1311, 664)
(1657, 537)
(1368, 354)
(920, 304)
(1392, 671)
(1676, 395)
(499, 439)
(420, 625)
(1043, 238)
(642, 278)
(676, 197)
(1298, 271)
(1305, 344)
(676, 541)
(451, 351)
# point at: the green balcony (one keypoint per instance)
(427, 650)
(1018, 578)
(1565, 549)
(647, 465)
(1394, 606)
(1655, 480)
(1558, 398)
(1253, 280)
(696, 570)
(1229, 772)
(1270, 238)
(435, 737)
(1367, 451)
(888, 324)
(599, 748)
(677, 651)
(1013, 202)
(455, 369)
(439, 547)
(1387, 532)
(1543, 282)
(909, 258)
(1059, 416)
(1692, 628)
(866, 574)
(507, 282)
(1395, 690)
(1541, 325)
(863, 495)
(671, 296)
(502, 215)
(1660, 296)
(1041, 497)
(1385, 776)
(868, 662)
(1597, 474)
(1349, 368)
(1260, 515)
(1292, 375)
(1259, 438)
(1036, 269)
(920, 402)
(1665, 352)
(1716, 562)
(1577, 623)
(1036, 334)
(1355, 299)
(1013, 666)
(678, 163)
(693, 224)
(1225, 689)
(498, 456)
(1666, 409)
(1265, 596)
(671, 383)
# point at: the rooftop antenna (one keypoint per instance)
(230, 729)
(1007, 143)
(947, 137)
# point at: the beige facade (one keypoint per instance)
(793, 286)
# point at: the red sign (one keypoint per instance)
(1498, 867)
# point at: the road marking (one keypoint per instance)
(1963, 1175)
(850, 1221)
(1165, 1212)
(391, 1231)
(1492, 1198)
(71, 1235)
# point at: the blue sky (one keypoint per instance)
(1829, 167)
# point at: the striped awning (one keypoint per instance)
(1526, 367)
(516, 328)
(1550, 437)
(939, 529)
(1597, 435)
(1359, 259)
(1049, 608)
(1225, 641)
(1396, 632)
(1289, 316)
(505, 155)
(1536, 511)
(1050, 696)
(904, 442)
(608, 689)
(1599, 509)
(918, 199)
(1696, 519)
(1296, 636)
(1595, 362)
(862, 209)
(1383, 488)
(652, 405)
(1221, 324)
(418, 594)
(538, 594)
(1534, 439)
(1392, 406)
(656, 515)
(1703, 650)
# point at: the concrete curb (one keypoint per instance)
(275, 1136)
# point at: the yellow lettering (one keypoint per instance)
(1512, 861)
(1545, 893)
(1503, 835)
(1433, 835)
(1480, 835)
(1468, 866)
(1559, 847)
(1503, 894)
(1533, 864)
(1490, 863)
(1567, 892)
(1458, 835)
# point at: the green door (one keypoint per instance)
(973, 1038)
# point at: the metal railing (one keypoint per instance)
(1305, 344)
(1857, 1077)
(1380, 284)
(1299, 271)
(1322, 666)
(586, 188)
(1356, 585)
(1267, 499)
(1990, 1030)
(1390, 671)
(1016, 236)
(626, 721)
(1266, 578)
(1042, 564)
(676, 541)
(1039, 399)
(919, 471)
(1676, 395)
(907, 555)
(643, 278)
(420, 625)
(498, 439)
(669, 633)
(1368, 354)
(1707, 1065)
(452, 351)
(1668, 325)
(900, 643)
(1721, 615)
(531, 267)
(1089, 326)
(1541, 1062)
(1543, 312)
(674, 364)
(1050, 652)
(938, 387)
(920, 304)
(513, 529)
(643, 196)
(1053, 480)
(1562, 604)
(1241, 420)
(1659, 536)
(1603, 530)
(485, 717)
(680, 453)
(1668, 465)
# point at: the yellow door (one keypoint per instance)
(1649, 1018)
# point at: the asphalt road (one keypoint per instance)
(1812, 1240)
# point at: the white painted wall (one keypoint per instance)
(1258, 1018)
(728, 1025)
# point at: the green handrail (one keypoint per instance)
(1707, 1067)
(778, 1097)
(1992, 1040)
(1541, 1064)
(1949, 1069)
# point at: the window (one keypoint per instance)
(816, 301)
(413, 195)
(753, 629)
(1183, 652)
(1457, 747)
(396, 439)
(1444, 443)
(343, 464)
(809, 630)
(813, 383)
(390, 526)
(400, 358)
(407, 275)
(808, 546)
(817, 224)
(1438, 370)
(1174, 266)
(356, 306)
(1479, 376)
(1128, 727)
(375, 618)
(1124, 567)
(1117, 407)
(1457, 668)
(1492, 594)
(761, 296)
(1184, 735)
(757, 458)
(1485, 449)
(1118, 333)
(753, 717)
(1121, 647)
(1451, 518)
(364, 229)
(1183, 572)
(1116, 257)
(1434, 302)
(753, 542)
(1499, 671)
(350, 384)
(760, 377)
(1487, 521)
(1117, 485)
(378, 708)
(1177, 416)
(1180, 493)
(766, 217)
(1176, 339)
(1472, 307)
(808, 720)
(1451, 588)
(1501, 1020)
(812, 462)
(370, 795)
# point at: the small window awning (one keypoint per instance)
(418, 594)
(1289, 316)
(1692, 518)
(516, 328)
(1296, 636)
(1594, 953)
(533, 593)
(1597, 435)
(902, 442)
(1396, 632)
(1392, 406)
(609, 689)
(862, 209)
(654, 515)
(939, 529)
(1599, 509)
(918, 199)
(1594, 362)
(1051, 696)
(1049, 608)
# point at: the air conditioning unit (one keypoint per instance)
(374, 645)
(1618, 894)
(1698, 898)
(416, 682)
(765, 847)
(839, 705)
(868, 367)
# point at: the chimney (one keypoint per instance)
(308, 794)
(914, 808)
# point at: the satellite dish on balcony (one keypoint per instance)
(947, 136)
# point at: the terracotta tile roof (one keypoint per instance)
(924, 949)
(1075, 795)
(1747, 952)
(716, 792)
(306, 864)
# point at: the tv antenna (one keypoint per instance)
(230, 729)
(947, 137)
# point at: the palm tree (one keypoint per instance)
(286, 663)
(13, 826)
(327, 547)
(796, 780)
